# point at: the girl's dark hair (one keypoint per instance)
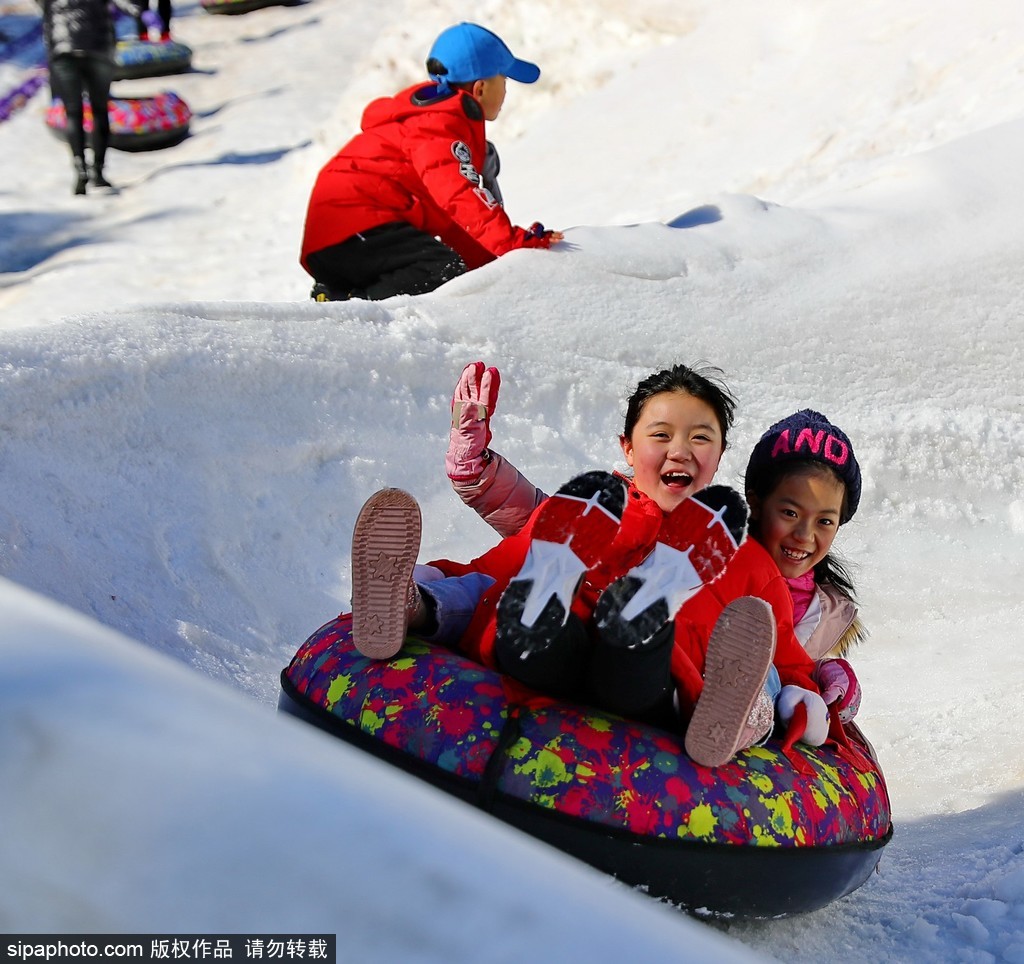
(833, 572)
(705, 383)
(831, 569)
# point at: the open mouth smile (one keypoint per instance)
(794, 555)
(681, 479)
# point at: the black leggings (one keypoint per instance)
(391, 259)
(70, 76)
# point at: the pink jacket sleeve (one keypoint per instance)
(502, 496)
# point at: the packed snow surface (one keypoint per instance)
(824, 200)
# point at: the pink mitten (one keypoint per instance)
(816, 731)
(839, 685)
(475, 398)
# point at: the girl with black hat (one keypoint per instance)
(802, 483)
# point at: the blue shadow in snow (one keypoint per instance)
(31, 238)
(257, 157)
(214, 111)
(34, 237)
(281, 31)
(705, 214)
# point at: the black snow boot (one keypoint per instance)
(96, 178)
(81, 177)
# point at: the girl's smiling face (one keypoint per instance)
(797, 522)
(674, 448)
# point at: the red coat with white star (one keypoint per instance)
(419, 160)
(750, 572)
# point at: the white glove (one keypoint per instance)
(816, 731)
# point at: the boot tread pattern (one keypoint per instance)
(385, 545)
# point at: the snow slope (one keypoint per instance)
(824, 201)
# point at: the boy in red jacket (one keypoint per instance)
(411, 201)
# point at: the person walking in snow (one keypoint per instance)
(79, 39)
(412, 201)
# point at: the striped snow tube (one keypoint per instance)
(140, 58)
(776, 831)
(18, 96)
(136, 123)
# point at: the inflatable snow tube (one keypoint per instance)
(16, 98)
(136, 123)
(139, 58)
(776, 831)
(239, 6)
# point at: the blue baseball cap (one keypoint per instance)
(470, 52)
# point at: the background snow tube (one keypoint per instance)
(759, 837)
(139, 58)
(136, 123)
(16, 98)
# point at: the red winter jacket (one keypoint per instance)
(751, 572)
(418, 160)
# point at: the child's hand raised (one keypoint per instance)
(475, 398)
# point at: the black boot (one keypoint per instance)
(81, 178)
(539, 640)
(96, 178)
(321, 292)
(550, 656)
(630, 670)
(99, 155)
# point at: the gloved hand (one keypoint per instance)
(537, 232)
(150, 19)
(816, 731)
(476, 396)
(839, 685)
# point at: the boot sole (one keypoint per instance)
(575, 525)
(739, 654)
(584, 514)
(385, 545)
(729, 506)
(629, 612)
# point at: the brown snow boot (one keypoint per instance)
(739, 655)
(385, 543)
